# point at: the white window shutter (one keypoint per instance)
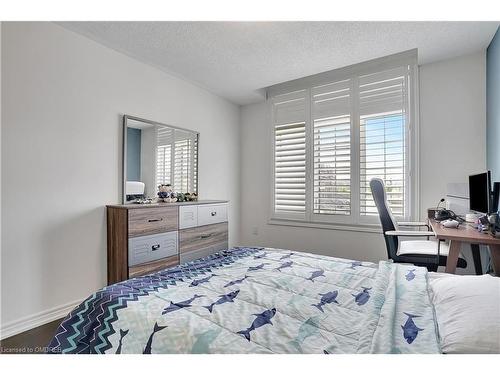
(177, 158)
(181, 165)
(331, 107)
(289, 193)
(383, 144)
(194, 178)
(165, 137)
(164, 165)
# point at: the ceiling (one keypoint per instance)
(237, 60)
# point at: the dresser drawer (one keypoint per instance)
(212, 237)
(143, 221)
(193, 255)
(149, 248)
(212, 213)
(188, 216)
(154, 266)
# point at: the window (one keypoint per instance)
(338, 130)
(382, 109)
(290, 155)
(165, 140)
(164, 165)
(290, 168)
(332, 149)
(176, 160)
(182, 165)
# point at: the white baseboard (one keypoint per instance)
(35, 320)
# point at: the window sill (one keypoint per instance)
(368, 228)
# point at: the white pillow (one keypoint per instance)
(467, 312)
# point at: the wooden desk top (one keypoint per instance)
(464, 233)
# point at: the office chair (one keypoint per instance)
(424, 253)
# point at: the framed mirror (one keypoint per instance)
(157, 154)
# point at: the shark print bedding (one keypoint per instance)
(258, 300)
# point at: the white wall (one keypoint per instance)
(452, 124)
(63, 97)
(453, 133)
(452, 128)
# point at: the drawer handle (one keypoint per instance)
(203, 236)
(213, 213)
(155, 247)
(154, 220)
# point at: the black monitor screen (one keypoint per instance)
(479, 192)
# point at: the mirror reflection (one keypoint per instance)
(160, 163)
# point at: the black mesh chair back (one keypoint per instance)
(385, 214)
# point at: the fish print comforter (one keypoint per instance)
(258, 300)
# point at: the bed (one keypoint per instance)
(259, 300)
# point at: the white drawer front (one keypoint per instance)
(212, 214)
(148, 248)
(188, 216)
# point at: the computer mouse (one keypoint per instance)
(450, 223)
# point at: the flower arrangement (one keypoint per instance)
(167, 195)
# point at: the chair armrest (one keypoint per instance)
(412, 224)
(409, 233)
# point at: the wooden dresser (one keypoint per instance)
(147, 238)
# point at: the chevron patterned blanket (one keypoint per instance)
(258, 300)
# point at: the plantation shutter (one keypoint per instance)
(383, 102)
(333, 132)
(194, 178)
(177, 159)
(289, 114)
(185, 161)
(181, 165)
(165, 138)
(331, 119)
(164, 165)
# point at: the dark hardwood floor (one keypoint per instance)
(33, 341)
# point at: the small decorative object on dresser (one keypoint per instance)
(166, 194)
(144, 239)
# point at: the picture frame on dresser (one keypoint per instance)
(143, 239)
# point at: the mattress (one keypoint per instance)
(258, 300)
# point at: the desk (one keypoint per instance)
(465, 233)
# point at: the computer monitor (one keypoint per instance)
(495, 198)
(480, 192)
